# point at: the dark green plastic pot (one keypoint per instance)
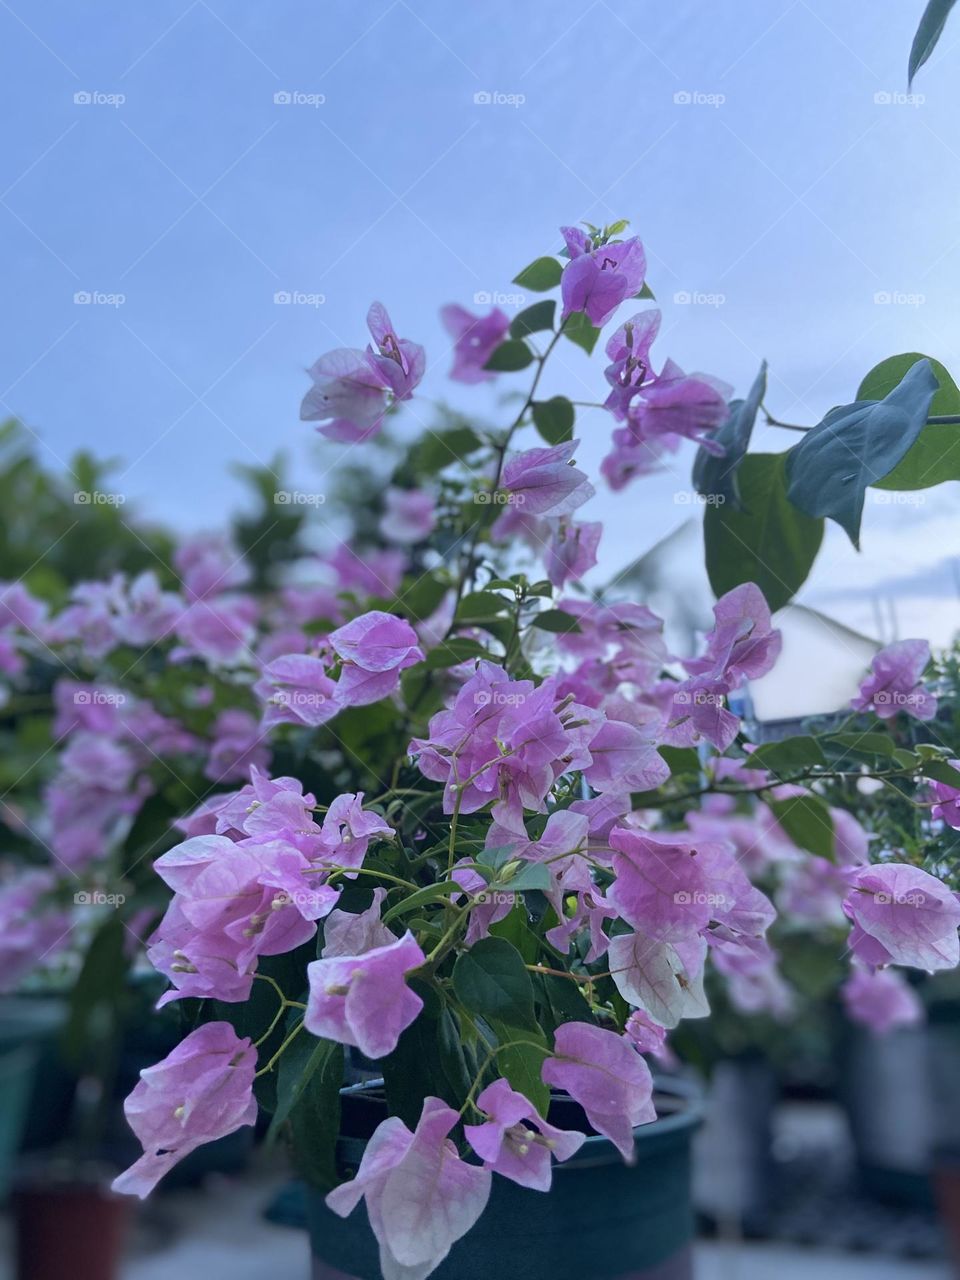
(602, 1219)
(24, 1025)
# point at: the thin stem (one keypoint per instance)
(276, 1057)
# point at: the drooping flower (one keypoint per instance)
(881, 1000)
(352, 389)
(510, 1146)
(629, 353)
(607, 1077)
(902, 915)
(201, 1091)
(421, 1197)
(409, 515)
(363, 1000)
(894, 682)
(743, 644)
(475, 340)
(296, 690)
(572, 549)
(597, 279)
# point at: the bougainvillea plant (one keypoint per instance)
(494, 849)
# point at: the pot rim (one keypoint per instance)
(687, 1114)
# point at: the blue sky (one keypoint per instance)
(762, 148)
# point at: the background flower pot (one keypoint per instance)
(601, 1219)
(72, 1230)
(16, 1080)
(27, 1030)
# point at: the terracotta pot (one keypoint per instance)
(602, 1219)
(64, 1230)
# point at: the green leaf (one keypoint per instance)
(928, 33)
(422, 598)
(862, 745)
(557, 620)
(510, 357)
(428, 1059)
(476, 606)
(941, 771)
(789, 755)
(450, 653)
(717, 477)
(533, 319)
(646, 294)
(553, 418)
(855, 446)
(522, 1064)
(769, 542)
(935, 456)
(430, 893)
(493, 983)
(578, 329)
(806, 820)
(303, 1057)
(531, 875)
(438, 449)
(542, 275)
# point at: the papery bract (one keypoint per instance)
(510, 1146)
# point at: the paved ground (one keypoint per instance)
(219, 1234)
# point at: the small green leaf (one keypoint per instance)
(476, 606)
(578, 329)
(855, 446)
(531, 875)
(769, 542)
(311, 1082)
(715, 477)
(443, 889)
(789, 755)
(557, 620)
(941, 771)
(806, 820)
(542, 275)
(450, 653)
(510, 357)
(522, 1064)
(554, 419)
(533, 319)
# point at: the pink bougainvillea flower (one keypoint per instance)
(675, 405)
(352, 389)
(513, 1148)
(375, 573)
(629, 353)
(545, 482)
(409, 515)
(237, 744)
(662, 978)
(374, 649)
(201, 1091)
(296, 690)
(421, 1197)
(572, 549)
(623, 758)
(881, 1000)
(902, 915)
(894, 682)
(348, 830)
(219, 630)
(947, 807)
(475, 340)
(33, 929)
(364, 1000)
(596, 280)
(346, 933)
(648, 1036)
(607, 1077)
(209, 564)
(742, 645)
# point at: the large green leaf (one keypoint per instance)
(542, 274)
(928, 33)
(533, 319)
(554, 418)
(789, 755)
(493, 982)
(715, 477)
(769, 542)
(510, 357)
(309, 1079)
(855, 446)
(935, 457)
